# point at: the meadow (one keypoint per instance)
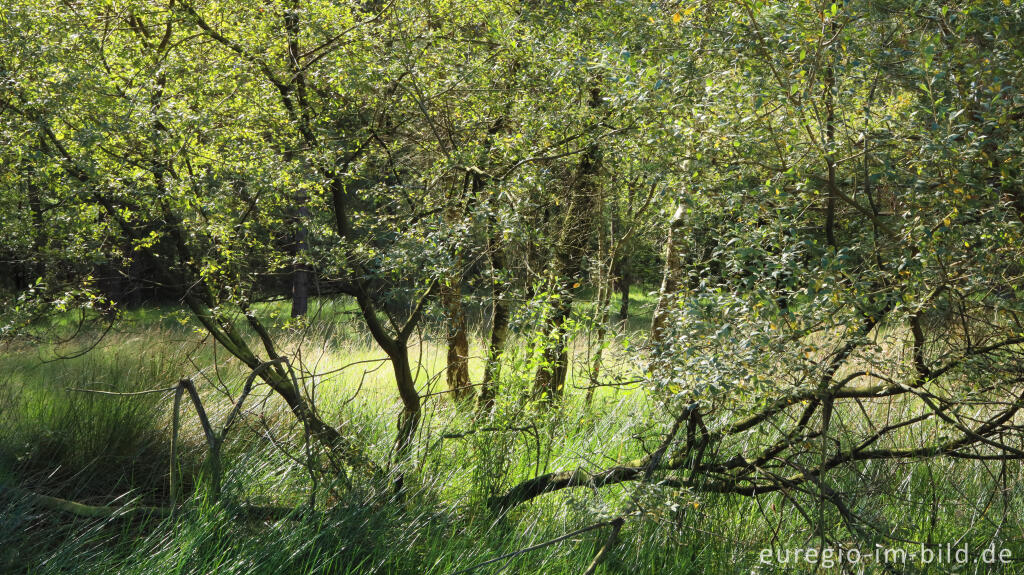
(59, 438)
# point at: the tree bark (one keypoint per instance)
(671, 278)
(830, 133)
(603, 303)
(458, 342)
(39, 239)
(457, 368)
(499, 322)
(301, 273)
(568, 267)
(553, 372)
(409, 420)
(397, 349)
(605, 271)
(625, 282)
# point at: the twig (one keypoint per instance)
(613, 536)
(175, 426)
(537, 546)
(116, 393)
(690, 414)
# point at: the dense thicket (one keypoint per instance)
(829, 195)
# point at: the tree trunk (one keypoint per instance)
(198, 298)
(671, 278)
(830, 161)
(301, 273)
(499, 323)
(39, 239)
(569, 259)
(603, 304)
(397, 350)
(457, 367)
(458, 341)
(408, 421)
(551, 375)
(625, 282)
(605, 270)
(396, 347)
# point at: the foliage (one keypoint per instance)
(841, 283)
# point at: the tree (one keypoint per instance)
(849, 316)
(834, 190)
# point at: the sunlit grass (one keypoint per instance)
(96, 448)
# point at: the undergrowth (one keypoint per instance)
(58, 440)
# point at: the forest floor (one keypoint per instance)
(112, 450)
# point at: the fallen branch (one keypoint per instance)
(122, 393)
(462, 434)
(559, 480)
(82, 509)
(250, 512)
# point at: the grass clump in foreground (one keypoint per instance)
(274, 518)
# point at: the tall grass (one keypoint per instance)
(97, 448)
